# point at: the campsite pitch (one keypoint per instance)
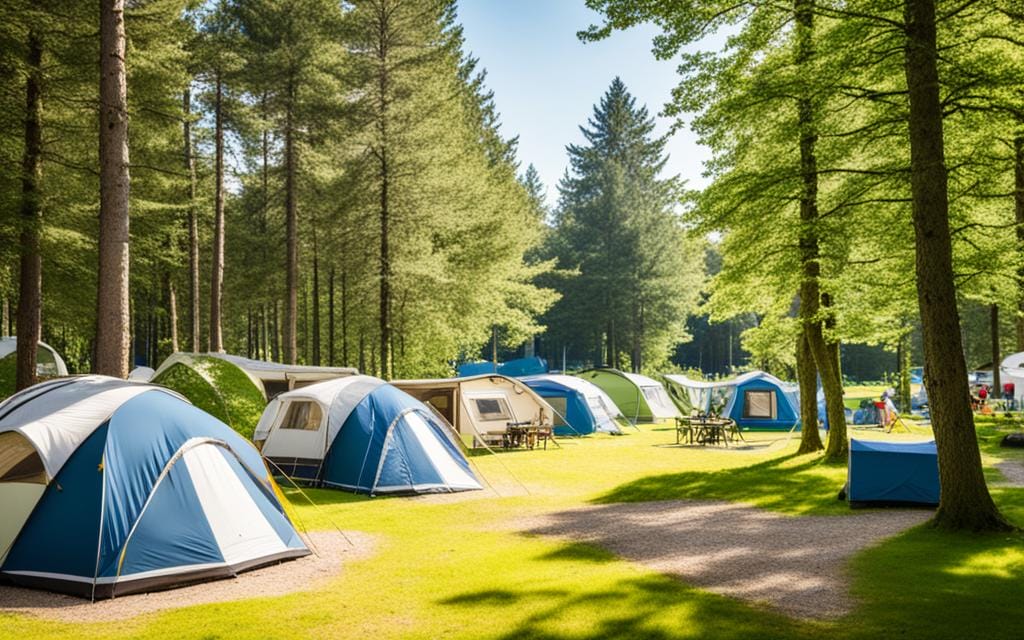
(333, 549)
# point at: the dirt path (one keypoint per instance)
(793, 564)
(303, 574)
(1013, 472)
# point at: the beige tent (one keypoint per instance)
(481, 407)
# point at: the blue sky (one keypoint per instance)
(546, 81)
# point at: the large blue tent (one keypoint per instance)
(581, 407)
(109, 487)
(363, 434)
(893, 473)
(754, 400)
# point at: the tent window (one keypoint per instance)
(759, 404)
(559, 404)
(656, 396)
(19, 461)
(46, 364)
(492, 408)
(305, 416)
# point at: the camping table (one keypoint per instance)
(525, 434)
(712, 430)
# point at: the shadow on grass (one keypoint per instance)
(932, 584)
(791, 484)
(648, 606)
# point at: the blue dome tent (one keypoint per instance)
(109, 487)
(363, 434)
(580, 407)
(893, 473)
(755, 400)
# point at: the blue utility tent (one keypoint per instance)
(109, 487)
(362, 434)
(754, 400)
(580, 407)
(893, 473)
(513, 368)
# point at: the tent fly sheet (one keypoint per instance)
(362, 434)
(110, 487)
(580, 407)
(754, 400)
(640, 398)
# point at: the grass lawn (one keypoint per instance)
(458, 569)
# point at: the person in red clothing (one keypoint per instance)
(1008, 391)
(983, 394)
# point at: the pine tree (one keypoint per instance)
(616, 226)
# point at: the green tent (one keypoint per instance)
(640, 398)
(216, 386)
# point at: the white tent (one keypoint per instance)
(363, 434)
(49, 364)
(481, 407)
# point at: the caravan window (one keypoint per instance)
(492, 408)
(759, 404)
(303, 415)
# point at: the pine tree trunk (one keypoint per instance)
(265, 324)
(5, 316)
(344, 318)
(275, 337)
(965, 501)
(30, 287)
(193, 225)
(330, 316)
(172, 311)
(291, 309)
(112, 314)
(807, 376)
(217, 269)
(316, 301)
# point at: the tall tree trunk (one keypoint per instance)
(330, 316)
(172, 311)
(965, 501)
(193, 224)
(807, 376)
(265, 323)
(316, 300)
(112, 314)
(30, 287)
(997, 387)
(494, 347)
(810, 253)
(344, 318)
(217, 270)
(248, 334)
(5, 316)
(291, 308)
(275, 337)
(1018, 207)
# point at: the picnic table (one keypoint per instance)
(702, 429)
(525, 434)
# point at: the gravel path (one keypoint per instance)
(793, 564)
(1013, 473)
(302, 574)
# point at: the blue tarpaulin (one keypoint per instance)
(893, 472)
(513, 368)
